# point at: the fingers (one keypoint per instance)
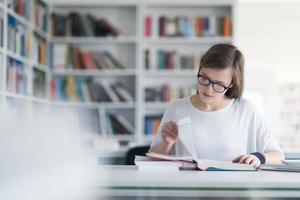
(248, 159)
(243, 158)
(171, 126)
(170, 130)
(237, 159)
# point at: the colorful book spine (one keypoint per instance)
(199, 26)
(17, 77)
(152, 123)
(71, 57)
(148, 26)
(40, 14)
(89, 90)
(166, 93)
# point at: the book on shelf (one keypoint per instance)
(40, 14)
(21, 7)
(17, 77)
(71, 57)
(148, 26)
(166, 92)
(199, 164)
(78, 25)
(18, 38)
(39, 83)
(199, 26)
(88, 90)
(152, 123)
(117, 124)
(39, 50)
(171, 59)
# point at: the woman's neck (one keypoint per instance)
(196, 101)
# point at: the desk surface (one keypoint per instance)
(129, 181)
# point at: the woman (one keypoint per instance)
(224, 125)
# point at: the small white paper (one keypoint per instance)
(185, 135)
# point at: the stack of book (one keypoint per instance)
(40, 14)
(70, 57)
(170, 59)
(75, 24)
(166, 93)
(17, 78)
(39, 50)
(89, 90)
(39, 83)
(183, 26)
(157, 161)
(18, 39)
(117, 124)
(21, 7)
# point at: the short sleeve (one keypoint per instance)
(265, 140)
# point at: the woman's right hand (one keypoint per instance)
(169, 132)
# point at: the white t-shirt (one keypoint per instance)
(224, 134)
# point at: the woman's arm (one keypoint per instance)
(270, 157)
(162, 147)
(169, 134)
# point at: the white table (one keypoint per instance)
(128, 181)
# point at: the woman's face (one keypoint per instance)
(207, 93)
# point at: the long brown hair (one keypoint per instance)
(222, 56)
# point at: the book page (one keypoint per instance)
(185, 135)
(205, 164)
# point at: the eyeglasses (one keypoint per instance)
(216, 86)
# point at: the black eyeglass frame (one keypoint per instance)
(213, 83)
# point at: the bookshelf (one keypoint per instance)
(138, 24)
(108, 59)
(137, 49)
(24, 54)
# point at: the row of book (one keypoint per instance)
(71, 57)
(18, 39)
(39, 50)
(183, 26)
(21, 7)
(165, 92)
(17, 77)
(170, 59)
(39, 83)
(152, 123)
(76, 24)
(89, 90)
(117, 124)
(40, 14)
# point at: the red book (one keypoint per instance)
(87, 60)
(148, 22)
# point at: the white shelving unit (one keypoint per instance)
(28, 98)
(129, 17)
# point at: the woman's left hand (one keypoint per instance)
(248, 159)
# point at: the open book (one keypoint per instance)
(201, 164)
